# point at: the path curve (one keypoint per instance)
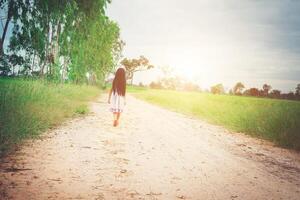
(153, 154)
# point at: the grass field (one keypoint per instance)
(29, 107)
(275, 120)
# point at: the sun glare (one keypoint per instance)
(194, 67)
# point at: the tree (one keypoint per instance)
(59, 39)
(217, 89)
(135, 65)
(4, 66)
(275, 94)
(189, 86)
(100, 40)
(155, 85)
(266, 89)
(290, 96)
(297, 92)
(238, 88)
(252, 92)
(12, 7)
(170, 83)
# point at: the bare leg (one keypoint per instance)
(118, 117)
(115, 115)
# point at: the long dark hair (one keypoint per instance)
(119, 82)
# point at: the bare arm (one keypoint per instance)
(109, 95)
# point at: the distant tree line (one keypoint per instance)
(174, 83)
(178, 83)
(63, 40)
(265, 91)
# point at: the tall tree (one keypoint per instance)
(61, 39)
(13, 10)
(217, 89)
(266, 89)
(238, 88)
(10, 6)
(297, 92)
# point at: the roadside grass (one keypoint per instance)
(271, 119)
(29, 107)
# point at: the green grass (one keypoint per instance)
(274, 120)
(29, 107)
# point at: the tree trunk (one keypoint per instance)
(46, 51)
(64, 70)
(131, 81)
(56, 48)
(57, 39)
(9, 15)
(52, 47)
(33, 62)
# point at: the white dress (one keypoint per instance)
(117, 102)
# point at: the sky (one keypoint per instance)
(214, 41)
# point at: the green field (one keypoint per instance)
(275, 120)
(28, 107)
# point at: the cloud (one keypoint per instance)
(233, 38)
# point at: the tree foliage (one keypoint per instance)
(266, 89)
(60, 39)
(238, 88)
(252, 92)
(135, 65)
(217, 89)
(275, 94)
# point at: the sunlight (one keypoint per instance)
(139, 99)
(202, 67)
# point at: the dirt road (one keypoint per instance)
(153, 154)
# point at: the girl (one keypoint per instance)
(116, 95)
